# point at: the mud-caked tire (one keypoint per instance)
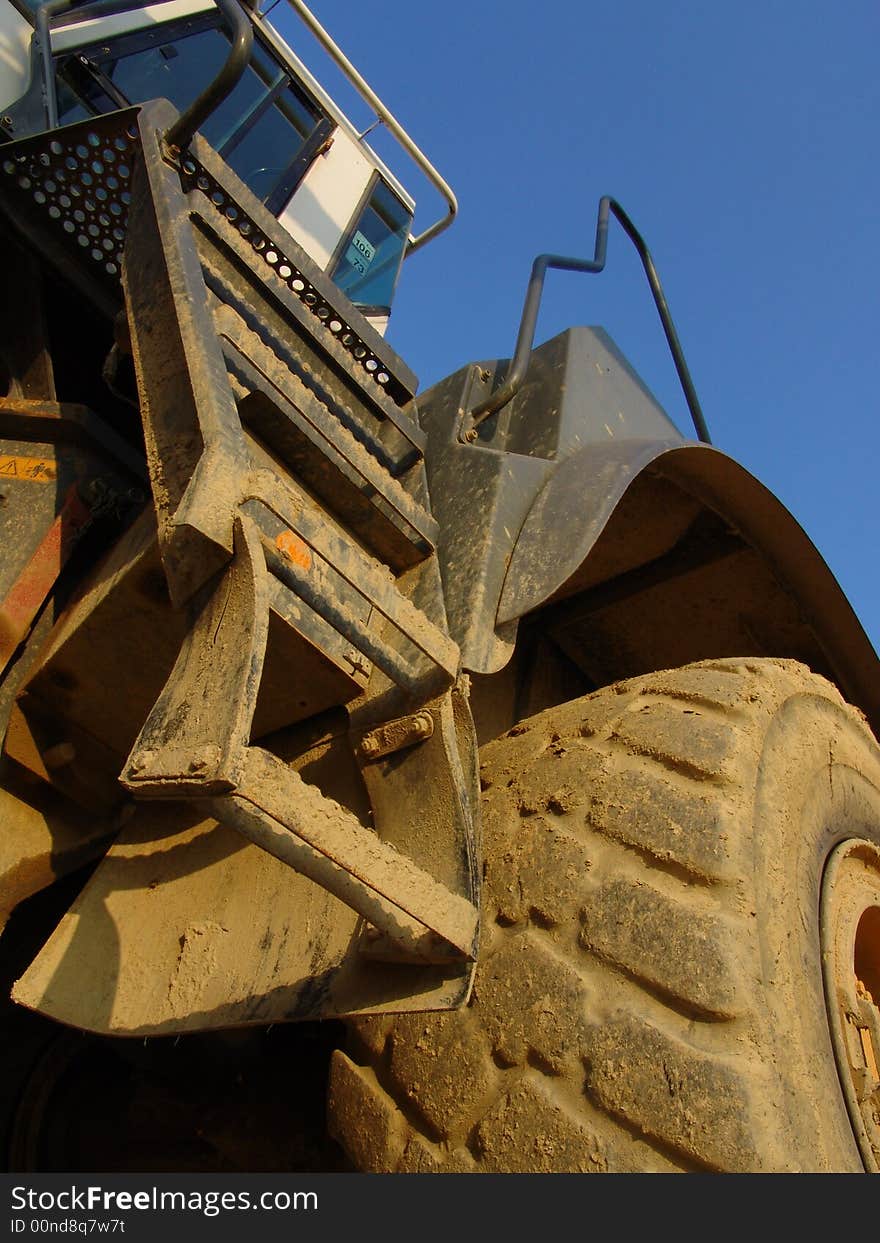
(649, 994)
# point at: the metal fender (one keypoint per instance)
(578, 500)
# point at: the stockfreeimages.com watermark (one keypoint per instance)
(97, 1199)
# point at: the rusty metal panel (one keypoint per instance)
(57, 473)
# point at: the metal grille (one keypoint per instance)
(195, 176)
(79, 179)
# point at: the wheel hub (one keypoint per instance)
(850, 933)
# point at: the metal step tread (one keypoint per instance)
(215, 197)
(355, 478)
(373, 580)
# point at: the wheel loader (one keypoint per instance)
(494, 761)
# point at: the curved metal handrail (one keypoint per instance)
(531, 306)
(241, 34)
(387, 117)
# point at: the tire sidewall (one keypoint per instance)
(818, 784)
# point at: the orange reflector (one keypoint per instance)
(294, 548)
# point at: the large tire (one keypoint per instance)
(649, 994)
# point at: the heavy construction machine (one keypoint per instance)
(500, 731)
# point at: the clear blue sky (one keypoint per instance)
(742, 139)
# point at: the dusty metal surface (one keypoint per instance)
(195, 744)
(788, 599)
(275, 809)
(187, 927)
(296, 539)
(43, 838)
(579, 393)
(193, 741)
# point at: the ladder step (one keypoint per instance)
(334, 574)
(263, 295)
(278, 811)
(279, 408)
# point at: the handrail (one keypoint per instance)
(181, 132)
(241, 32)
(42, 23)
(384, 114)
(531, 306)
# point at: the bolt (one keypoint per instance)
(137, 765)
(485, 375)
(423, 725)
(59, 755)
(369, 745)
(357, 661)
(470, 435)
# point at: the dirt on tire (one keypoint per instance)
(649, 991)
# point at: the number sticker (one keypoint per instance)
(360, 253)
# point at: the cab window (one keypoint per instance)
(371, 254)
(259, 129)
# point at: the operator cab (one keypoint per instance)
(278, 130)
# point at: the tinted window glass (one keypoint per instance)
(368, 267)
(71, 107)
(258, 129)
(261, 153)
(179, 72)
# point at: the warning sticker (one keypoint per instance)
(34, 469)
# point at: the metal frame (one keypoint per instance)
(383, 113)
(180, 133)
(138, 40)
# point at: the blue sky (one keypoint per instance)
(742, 139)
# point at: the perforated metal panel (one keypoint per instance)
(77, 180)
(195, 176)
